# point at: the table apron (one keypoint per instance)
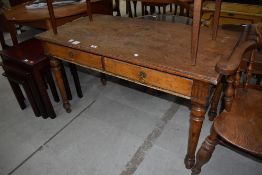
(169, 83)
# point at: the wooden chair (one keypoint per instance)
(255, 83)
(239, 125)
(144, 5)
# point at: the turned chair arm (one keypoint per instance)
(253, 41)
(230, 66)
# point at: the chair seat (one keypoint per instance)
(242, 126)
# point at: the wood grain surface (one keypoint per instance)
(150, 77)
(241, 126)
(75, 56)
(157, 45)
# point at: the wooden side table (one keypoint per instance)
(232, 13)
(17, 76)
(28, 57)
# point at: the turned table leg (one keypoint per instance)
(74, 73)
(214, 102)
(56, 68)
(199, 99)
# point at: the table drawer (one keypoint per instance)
(149, 77)
(73, 55)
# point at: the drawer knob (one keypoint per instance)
(71, 54)
(142, 76)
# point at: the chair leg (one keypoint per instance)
(135, 5)
(51, 83)
(117, 8)
(31, 99)
(129, 8)
(143, 8)
(13, 33)
(18, 94)
(152, 9)
(187, 13)
(144, 12)
(215, 100)
(164, 10)
(181, 11)
(76, 80)
(2, 40)
(175, 11)
(205, 152)
(64, 77)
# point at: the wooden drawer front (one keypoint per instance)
(230, 18)
(75, 56)
(150, 77)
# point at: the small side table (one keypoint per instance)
(16, 77)
(29, 57)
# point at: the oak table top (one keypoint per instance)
(154, 44)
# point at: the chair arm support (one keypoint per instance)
(230, 66)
